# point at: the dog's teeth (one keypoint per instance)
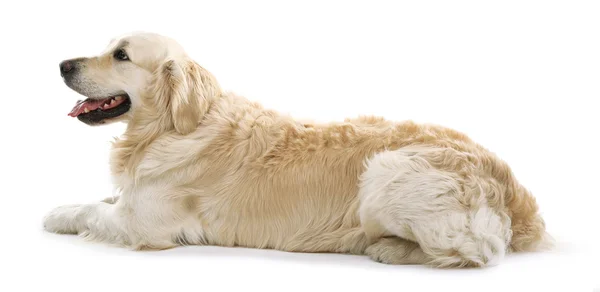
(118, 98)
(112, 101)
(86, 110)
(106, 105)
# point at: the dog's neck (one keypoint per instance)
(128, 149)
(145, 127)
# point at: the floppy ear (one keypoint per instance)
(186, 91)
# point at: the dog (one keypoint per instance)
(201, 166)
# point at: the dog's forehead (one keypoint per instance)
(145, 42)
(113, 45)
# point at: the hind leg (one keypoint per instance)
(406, 193)
(397, 251)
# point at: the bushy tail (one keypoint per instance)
(528, 226)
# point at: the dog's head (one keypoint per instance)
(141, 72)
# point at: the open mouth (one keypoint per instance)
(96, 111)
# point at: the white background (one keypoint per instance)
(520, 77)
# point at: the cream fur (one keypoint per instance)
(198, 165)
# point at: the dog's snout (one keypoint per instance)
(66, 67)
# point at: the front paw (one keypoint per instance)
(64, 220)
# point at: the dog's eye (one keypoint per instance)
(121, 55)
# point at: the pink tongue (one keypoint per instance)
(90, 104)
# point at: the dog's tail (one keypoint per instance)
(528, 227)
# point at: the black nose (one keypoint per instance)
(66, 67)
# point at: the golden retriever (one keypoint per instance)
(201, 166)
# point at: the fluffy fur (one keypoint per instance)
(201, 166)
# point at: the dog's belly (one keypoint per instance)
(293, 210)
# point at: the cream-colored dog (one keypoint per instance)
(198, 165)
